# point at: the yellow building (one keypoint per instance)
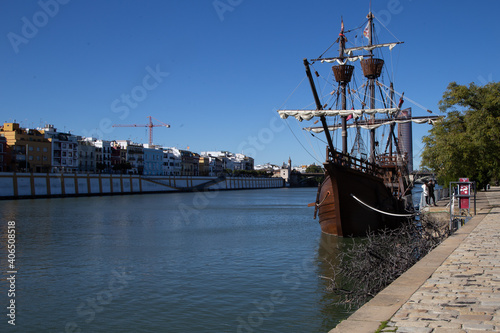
(189, 163)
(204, 166)
(27, 149)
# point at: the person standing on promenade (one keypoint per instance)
(425, 193)
(431, 193)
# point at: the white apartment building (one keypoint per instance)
(64, 149)
(153, 160)
(103, 155)
(134, 155)
(231, 161)
(172, 162)
(86, 156)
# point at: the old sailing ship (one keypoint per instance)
(360, 192)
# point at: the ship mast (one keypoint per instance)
(318, 105)
(343, 75)
(372, 68)
(391, 89)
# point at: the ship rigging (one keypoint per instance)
(378, 180)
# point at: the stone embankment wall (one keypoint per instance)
(29, 185)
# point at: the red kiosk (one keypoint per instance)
(463, 191)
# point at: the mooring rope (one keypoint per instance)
(326, 196)
(380, 211)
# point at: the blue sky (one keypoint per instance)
(217, 71)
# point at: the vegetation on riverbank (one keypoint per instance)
(466, 143)
(372, 263)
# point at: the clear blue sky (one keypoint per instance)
(217, 76)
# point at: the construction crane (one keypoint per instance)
(149, 126)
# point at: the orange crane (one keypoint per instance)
(149, 126)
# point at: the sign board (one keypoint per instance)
(464, 189)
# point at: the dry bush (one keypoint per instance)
(372, 263)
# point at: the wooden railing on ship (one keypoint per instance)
(387, 160)
(354, 163)
(396, 175)
(388, 167)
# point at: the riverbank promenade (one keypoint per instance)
(455, 288)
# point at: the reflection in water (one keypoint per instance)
(329, 250)
(192, 262)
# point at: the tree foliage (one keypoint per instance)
(466, 143)
(313, 168)
(123, 167)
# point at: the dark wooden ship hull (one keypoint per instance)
(341, 214)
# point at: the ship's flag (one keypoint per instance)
(341, 25)
(366, 32)
(349, 117)
(401, 101)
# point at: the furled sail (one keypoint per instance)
(309, 114)
(343, 60)
(349, 53)
(350, 50)
(372, 124)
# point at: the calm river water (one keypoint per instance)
(230, 261)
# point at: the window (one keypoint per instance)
(31, 148)
(31, 158)
(37, 148)
(45, 149)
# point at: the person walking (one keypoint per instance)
(425, 193)
(431, 193)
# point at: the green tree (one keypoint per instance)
(313, 168)
(466, 143)
(100, 167)
(123, 167)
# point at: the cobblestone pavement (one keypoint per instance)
(463, 294)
